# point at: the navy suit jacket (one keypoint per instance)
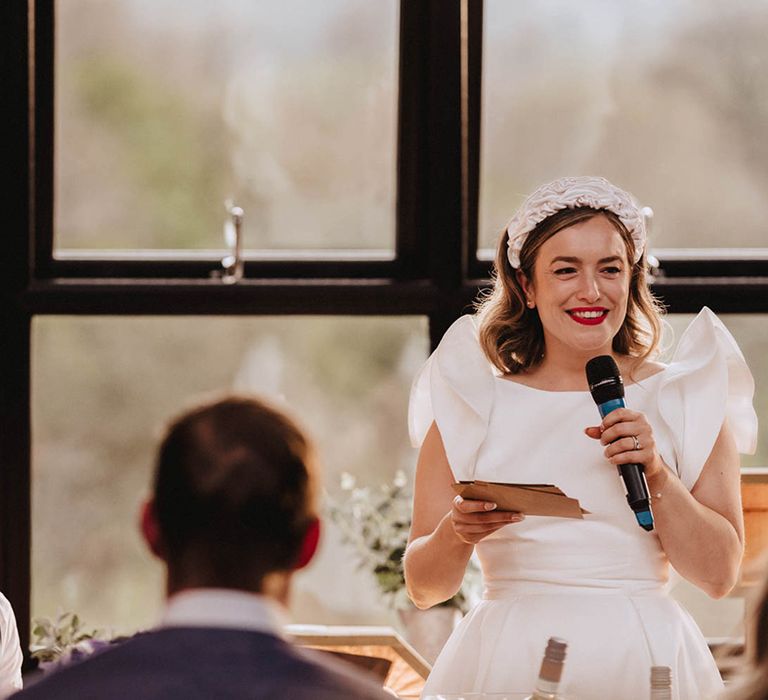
(179, 663)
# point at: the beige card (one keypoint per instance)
(531, 499)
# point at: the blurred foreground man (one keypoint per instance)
(232, 517)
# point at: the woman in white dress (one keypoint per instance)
(504, 398)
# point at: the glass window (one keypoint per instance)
(665, 98)
(166, 109)
(104, 386)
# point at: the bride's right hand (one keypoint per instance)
(474, 520)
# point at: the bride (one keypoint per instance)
(504, 398)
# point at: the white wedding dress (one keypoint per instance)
(598, 583)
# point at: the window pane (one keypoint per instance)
(165, 109)
(667, 98)
(104, 386)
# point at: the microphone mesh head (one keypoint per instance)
(604, 379)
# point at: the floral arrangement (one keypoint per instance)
(63, 639)
(376, 522)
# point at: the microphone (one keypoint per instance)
(607, 389)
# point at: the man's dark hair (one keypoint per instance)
(233, 494)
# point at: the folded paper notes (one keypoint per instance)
(531, 499)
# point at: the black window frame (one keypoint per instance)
(435, 272)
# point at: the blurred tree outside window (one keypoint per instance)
(165, 109)
(103, 387)
(667, 98)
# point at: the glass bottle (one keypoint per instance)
(661, 683)
(551, 669)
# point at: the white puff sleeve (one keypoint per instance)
(455, 389)
(706, 383)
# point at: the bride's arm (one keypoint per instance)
(702, 530)
(444, 528)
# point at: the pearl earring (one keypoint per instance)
(530, 304)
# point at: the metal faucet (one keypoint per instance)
(232, 264)
(653, 266)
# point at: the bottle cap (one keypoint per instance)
(661, 677)
(552, 663)
(556, 649)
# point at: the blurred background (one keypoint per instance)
(164, 110)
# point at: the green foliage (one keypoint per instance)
(376, 522)
(53, 639)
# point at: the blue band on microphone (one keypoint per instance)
(644, 519)
(608, 406)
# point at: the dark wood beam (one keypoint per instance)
(14, 321)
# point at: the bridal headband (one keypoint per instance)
(570, 193)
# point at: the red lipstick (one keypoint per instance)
(588, 315)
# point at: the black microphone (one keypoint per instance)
(607, 389)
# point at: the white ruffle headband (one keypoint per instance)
(570, 193)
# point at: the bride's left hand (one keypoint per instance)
(628, 438)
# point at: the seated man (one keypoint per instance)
(232, 516)
(10, 651)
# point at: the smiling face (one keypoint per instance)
(580, 287)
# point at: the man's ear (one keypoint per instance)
(309, 544)
(150, 528)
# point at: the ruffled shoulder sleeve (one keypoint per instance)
(707, 382)
(455, 389)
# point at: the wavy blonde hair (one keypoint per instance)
(511, 334)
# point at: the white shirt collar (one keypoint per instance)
(224, 608)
